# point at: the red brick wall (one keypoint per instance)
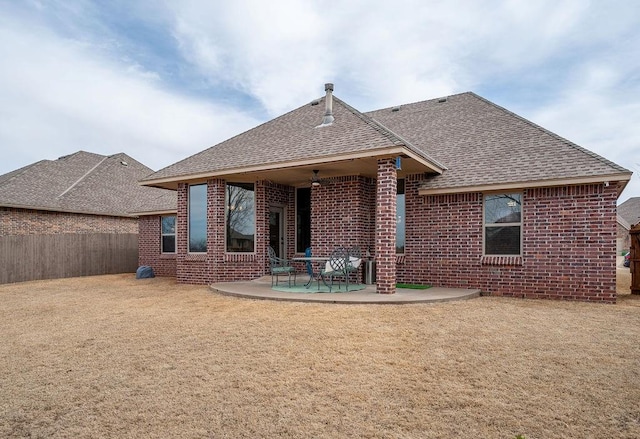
(281, 196)
(568, 238)
(228, 267)
(348, 200)
(343, 214)
(217, 265)
(42, 222)
(241, 266)
(149, 247)
(194, 268)
(568, 244)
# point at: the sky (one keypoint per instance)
(163, 80)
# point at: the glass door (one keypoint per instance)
(276, 230)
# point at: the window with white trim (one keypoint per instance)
(168, 234)
(241, 217)
(503, 224)
(400, 217)
(198, 218)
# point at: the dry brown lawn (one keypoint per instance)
(109, 356)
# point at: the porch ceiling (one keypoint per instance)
(299, 173)
(300, 176)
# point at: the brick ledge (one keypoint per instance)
(501, 260)
(239, 257)
(195, 257)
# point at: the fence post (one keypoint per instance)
(634, 266)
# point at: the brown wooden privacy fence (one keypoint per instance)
(32, 257)
(635, 259)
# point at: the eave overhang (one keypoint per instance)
(621, 179)
(298, 172)
(63, 210)
(156, 212)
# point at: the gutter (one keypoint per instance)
(604, 179)
(53, 209)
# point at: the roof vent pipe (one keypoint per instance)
(328, 106)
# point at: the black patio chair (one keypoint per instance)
(280, 267)
(336, 267)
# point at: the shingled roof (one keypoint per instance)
(84, 182)
(482, 144)
(292, 138)
(630, 210)
(465, 143)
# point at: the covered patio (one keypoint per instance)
(335, 185)
(261, 289)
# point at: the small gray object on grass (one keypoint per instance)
(144, 272)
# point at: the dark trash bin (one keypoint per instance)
(144, 272)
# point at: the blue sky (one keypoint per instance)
(162, 80)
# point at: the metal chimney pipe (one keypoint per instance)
(328, 105)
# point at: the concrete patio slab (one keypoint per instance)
(261, 289)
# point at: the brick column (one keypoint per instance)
(386, 226)
(262, 225)
(182, 240)
(216, 236)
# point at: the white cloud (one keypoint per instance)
(59, 97)
(571, 66)
(270, 50)
(383, 53)
(598, 106)
(596, 115)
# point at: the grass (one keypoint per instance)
(413, 286)
(109, 356)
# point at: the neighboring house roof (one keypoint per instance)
(84, 182)
(623, 222)
(630, 210)
(462, 142)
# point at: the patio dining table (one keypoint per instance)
(321, 259)
(353, 262)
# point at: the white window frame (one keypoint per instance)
(255, 215)
(162, 234)
(189, 217)
(404, 215)
(486, 225)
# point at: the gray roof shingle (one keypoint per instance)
(482, 143)
(630, 210)
(85, 182)
(475, 141)
(288, 138)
